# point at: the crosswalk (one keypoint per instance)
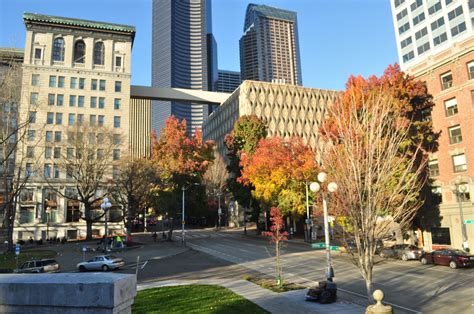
(203, 234)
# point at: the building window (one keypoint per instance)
(48, 152)
(92, 138)
(448, 2)
(34, 79)
(118, 61)
(79, 51)
(438, 23)
(59, 118)
(446, 80)
(440, 39)
(72, 101)
(433, 167)
(455, 135)
(80, 118)
(402, 14)
(440, 236)
(61, 81)
(407, 41)
(100, 138)
(57, 136)
(419, 18)
(100, 153)
(118, 86)
(57, 152)
(52, 81)
(116, 122)
(117, 139)
(31, 135)
(102, 85)
(459, 163)
(51, 99)
(56, 171)
(71, 119)
(415, 5)
(398, 2)
(58, 49)
(93, 84)
(435, 8)
(38, 53)
(101, 102)
(93, 102)
(33, 98)
(117, 103)
(30, 152)
(99, 53)
(451, 107)
(80, 101)
(421, 33)
(60, 100)
(470, 70)
(423, 48)
(115, 172)
(49, 136)
(455, 13)
(100, 120)
(458, 29)
(82, 83)
(116, 154)
(49, 118)
(402, 29)
(32, 116)
(47, 170)
(92, 119)
(29, 170)
(73, 83)
(70, 152)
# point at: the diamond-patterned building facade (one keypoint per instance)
(288, 111)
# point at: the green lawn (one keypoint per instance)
(8, 261)
(192, 299)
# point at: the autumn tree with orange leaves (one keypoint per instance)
(279, 169)
(180, 160)
(377, 140)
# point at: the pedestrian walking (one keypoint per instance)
(154, 236)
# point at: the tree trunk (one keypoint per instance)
(87, 213)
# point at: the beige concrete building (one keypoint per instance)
(75, 72)
(288, 110)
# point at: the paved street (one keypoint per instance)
(410, 286)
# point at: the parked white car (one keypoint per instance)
(102, 262)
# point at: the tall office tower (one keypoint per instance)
(435, 44)
(269, 49)
(228, 81)
(182, 38)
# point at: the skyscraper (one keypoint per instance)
(228, 81)
(435, 44)
(269, 49)
(183, 56)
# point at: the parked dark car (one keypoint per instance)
(351, 246)
(324, 292)
(448, 257)
(39, 266)
(402, 251)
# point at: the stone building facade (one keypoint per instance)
(74, 72)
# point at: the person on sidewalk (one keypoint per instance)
(154, 236)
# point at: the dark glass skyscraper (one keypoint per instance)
(269, 49)
(184, 55)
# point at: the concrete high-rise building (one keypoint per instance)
(183, 56)
(435, 44)
(228, 81)
(75, 73)
(269, 49)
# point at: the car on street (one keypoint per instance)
(351, 246)
(39, 266)
(404, 252)
(448, 257)
(101, 262)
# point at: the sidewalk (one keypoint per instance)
(287, 302)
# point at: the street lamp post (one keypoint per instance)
(184, 188)
(219, 211)
(331, 187)
(308, 221)
(460, 189)
(105, 207)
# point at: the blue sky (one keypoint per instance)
(337, 37)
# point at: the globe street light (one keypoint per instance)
(331, 188)
(105, 207)
(184, 188)
(460, 190)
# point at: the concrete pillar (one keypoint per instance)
(378, 307)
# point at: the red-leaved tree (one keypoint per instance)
(277, 235)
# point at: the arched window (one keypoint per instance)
(58, 49)
(99, 53)
(79, 51)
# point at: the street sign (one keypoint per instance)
(17, 249)
(334, 248)
(469, 221)
(318, 246)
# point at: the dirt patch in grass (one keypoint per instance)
(192, 299)
(272, 285)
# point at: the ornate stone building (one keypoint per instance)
(75, 72)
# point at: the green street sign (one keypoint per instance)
(318, 246)
(469, 222)
(334, 248)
